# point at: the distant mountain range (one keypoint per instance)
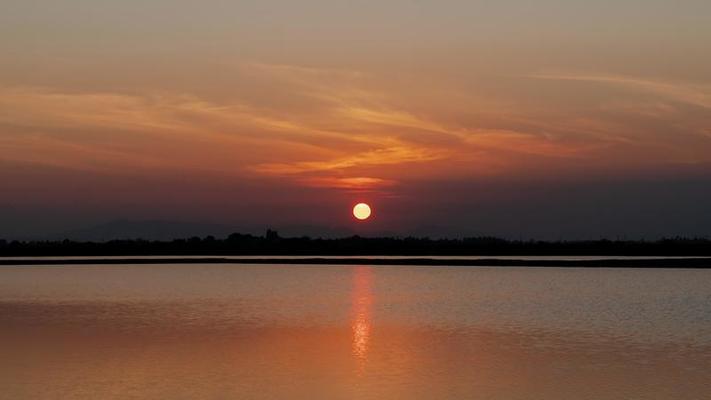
(149, 230)
(166, 230)
(169, 230)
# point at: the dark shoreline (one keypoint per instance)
(696, 262)
(273, 245)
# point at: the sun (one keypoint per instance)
(361, 211)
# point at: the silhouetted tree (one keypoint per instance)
(273, 244)
(272, 235)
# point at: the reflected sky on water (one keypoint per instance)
(341, 332)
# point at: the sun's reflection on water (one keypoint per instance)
(361, 312)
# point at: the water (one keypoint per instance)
(379, 257)
(340, 332)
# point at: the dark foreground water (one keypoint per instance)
(339, 332)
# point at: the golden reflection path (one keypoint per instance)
(362, 300)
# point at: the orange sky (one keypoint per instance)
(345, 101)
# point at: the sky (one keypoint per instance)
(550, 119)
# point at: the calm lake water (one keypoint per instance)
(341, 332)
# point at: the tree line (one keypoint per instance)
(273, 244)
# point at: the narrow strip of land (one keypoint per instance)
(697, 262)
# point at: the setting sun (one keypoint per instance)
(361, 211)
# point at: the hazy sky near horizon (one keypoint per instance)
(538, 119)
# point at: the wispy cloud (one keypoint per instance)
(359, 183)
(696, 95)
(522, 143)
(384, 156)
(340, 129)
